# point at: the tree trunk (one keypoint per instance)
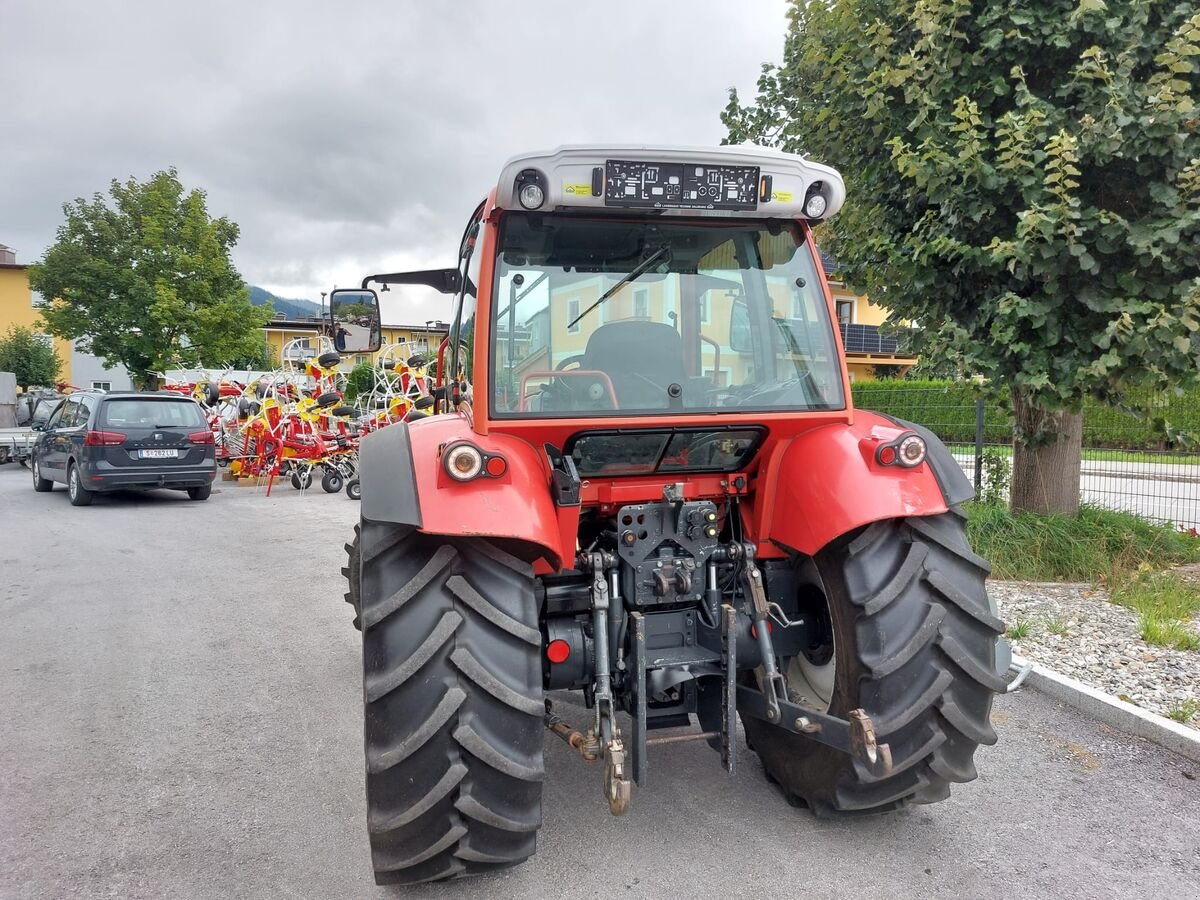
(1047, 450)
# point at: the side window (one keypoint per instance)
(70, 414)
(86, 406)
(55, 419)
(462, 332)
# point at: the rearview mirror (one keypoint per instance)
(354, 320)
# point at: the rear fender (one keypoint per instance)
(403, 481)
(827, 482)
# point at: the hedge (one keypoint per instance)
(948, 409)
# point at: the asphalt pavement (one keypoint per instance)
(180, 716)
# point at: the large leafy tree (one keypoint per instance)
(143, 278)
(33, 360)
(1024, 183)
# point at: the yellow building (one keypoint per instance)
(859, 320)
(292, 340)
(19, 306)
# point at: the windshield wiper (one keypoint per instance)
(635, 272)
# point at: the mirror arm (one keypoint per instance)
(445, 281)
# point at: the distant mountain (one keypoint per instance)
(288, 306)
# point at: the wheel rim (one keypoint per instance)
(37, 472)
(812, 675)
(73, 483)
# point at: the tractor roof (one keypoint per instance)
(742, 181)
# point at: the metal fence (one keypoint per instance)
(1128, 461)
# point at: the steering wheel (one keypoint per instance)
(576, 360)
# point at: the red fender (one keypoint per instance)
(516, 505)
(826, 482)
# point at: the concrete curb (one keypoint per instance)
(1108, 709)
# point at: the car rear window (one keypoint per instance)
(140, 411)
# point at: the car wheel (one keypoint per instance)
(199, 493)
(40, 484)
(80, 496)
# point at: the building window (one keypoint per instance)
(572, 315)
(101, 385)
(845, 312)
(641, 304)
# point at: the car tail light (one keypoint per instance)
(104, 439)
(202, 437)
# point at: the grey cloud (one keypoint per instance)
(352, 138)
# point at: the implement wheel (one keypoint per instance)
(913, 641)
(452, 685)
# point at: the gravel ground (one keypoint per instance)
(1099, 644)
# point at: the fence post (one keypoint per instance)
(978, 445)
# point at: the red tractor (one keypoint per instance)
(650, 486)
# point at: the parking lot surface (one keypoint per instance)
(180, 716)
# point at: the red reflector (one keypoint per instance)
(496, 466)
(104, 439)
(887, 456)
(201, 437)
(558, 651)
(770, 629)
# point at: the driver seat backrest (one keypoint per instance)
(627, 350)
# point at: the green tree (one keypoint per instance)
(35, 362)
(144, 279)
(361, 380)
(1023, 183)
(263, 359)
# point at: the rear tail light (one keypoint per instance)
(201, 437)
(104, 439)
(463, 461)
(908, 450)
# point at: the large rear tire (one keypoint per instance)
(914, 644)
(452, 686)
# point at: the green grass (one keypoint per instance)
(1168, 633)
(1183, 710)
(1165, 604)
(1056, 625)
(1097, 546)
(1019, 629)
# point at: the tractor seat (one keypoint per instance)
(641, 358)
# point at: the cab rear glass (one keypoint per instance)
(638, 452)
(144, 412)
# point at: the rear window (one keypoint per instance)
(141, 411)
(719, 449)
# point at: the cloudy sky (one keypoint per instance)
(347, 138)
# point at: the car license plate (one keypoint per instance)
(158, 454)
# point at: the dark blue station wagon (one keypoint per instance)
(96, 442)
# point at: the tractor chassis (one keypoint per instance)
(696, 660)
